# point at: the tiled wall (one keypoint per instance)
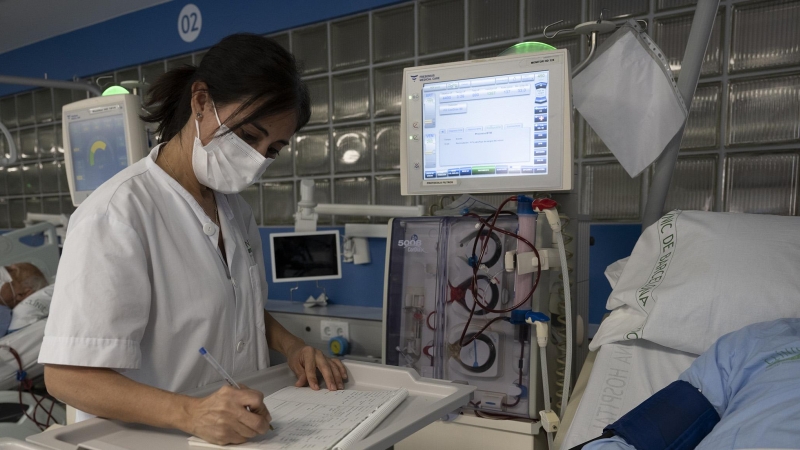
(741, 151)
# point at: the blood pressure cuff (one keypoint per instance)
(675, 418)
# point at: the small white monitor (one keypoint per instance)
(102, 136)
(306, 256)
(493, 125)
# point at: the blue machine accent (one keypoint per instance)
(360, 285)
(520, 316)
(524, 205)
(675, 418)
(524, 389)
(612, 242)
(339, 346)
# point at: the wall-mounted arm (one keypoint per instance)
(43, 82)
(12, 148)
(699, 36)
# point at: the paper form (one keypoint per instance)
(305, 419)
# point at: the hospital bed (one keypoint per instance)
(620, 375)
(36, 244)
(21, 246)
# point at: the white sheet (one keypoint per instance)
(624, 374)
(26, 342)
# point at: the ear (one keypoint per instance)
(201, 101)
(22, 294)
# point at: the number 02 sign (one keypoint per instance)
(189, 23)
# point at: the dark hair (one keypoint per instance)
(241, 68)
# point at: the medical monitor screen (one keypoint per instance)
(305, 256)
(98, 150)
(486, 127)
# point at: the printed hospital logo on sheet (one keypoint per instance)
(789, 354)
(667, 242)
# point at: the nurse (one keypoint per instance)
(166, 257)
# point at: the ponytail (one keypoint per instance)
(169, 101)
(243, 68)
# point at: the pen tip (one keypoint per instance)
(202, 350)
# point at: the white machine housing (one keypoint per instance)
(123, 106)
(506, 77)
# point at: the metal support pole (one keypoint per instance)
(43, 82)
(699, 36)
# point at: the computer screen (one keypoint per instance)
(102, 136)
(496, 125)
(98, 150)
(305, 256)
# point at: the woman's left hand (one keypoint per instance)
(305, 360)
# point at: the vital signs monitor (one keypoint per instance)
(102, 135)
(493, 125)
(305, 256)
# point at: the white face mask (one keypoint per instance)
(227, 164)
(5, 277)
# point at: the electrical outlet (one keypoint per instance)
(331, 328)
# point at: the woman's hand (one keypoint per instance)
(222, 417)
(305, 360)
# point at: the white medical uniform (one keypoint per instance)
(142, 284)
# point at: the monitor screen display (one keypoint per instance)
(486, 127)
(305, 256)
(98, 150)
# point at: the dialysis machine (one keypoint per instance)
(466, 297)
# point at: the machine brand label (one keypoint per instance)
(411, 245)
(439, 182)
(540, 61)
(429, 77)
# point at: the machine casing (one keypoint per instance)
(412, 164)
(427, 260)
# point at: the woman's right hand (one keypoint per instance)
(222, 417)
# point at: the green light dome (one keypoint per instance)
(527, 47)
(115, 90)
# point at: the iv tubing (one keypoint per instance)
(546, 387)
(568, 310)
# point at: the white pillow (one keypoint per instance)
(32, 309)
(694, 276)
(614, 271)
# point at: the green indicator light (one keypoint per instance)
(115, 90)
(527, 47)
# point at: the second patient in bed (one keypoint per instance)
(19, 281)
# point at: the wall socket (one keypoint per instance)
(331, 328)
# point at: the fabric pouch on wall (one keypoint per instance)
(628, 96)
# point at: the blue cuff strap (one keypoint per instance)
(675, 418)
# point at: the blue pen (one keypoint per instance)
(222, 372)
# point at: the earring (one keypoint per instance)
(199, 116)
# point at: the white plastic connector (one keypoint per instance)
(527, 262)
(541, 332)
(510, 261)
(493, 400)
(549, 420)
(553, 219)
